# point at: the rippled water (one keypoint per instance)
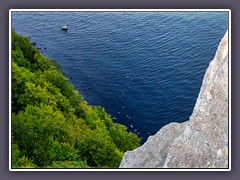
(144, 68)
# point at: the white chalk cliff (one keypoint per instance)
(201, 142)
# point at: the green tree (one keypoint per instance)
(52, 126)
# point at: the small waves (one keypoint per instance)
(145, 69)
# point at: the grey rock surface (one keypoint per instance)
(153, 153)
(201, 142)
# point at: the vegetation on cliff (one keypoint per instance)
(52, 126)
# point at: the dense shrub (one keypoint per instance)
(52, 127)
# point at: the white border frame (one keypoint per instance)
(122, 10)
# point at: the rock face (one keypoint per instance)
(201, 142)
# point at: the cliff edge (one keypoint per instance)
(201, 142)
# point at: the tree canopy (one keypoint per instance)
(52, 126)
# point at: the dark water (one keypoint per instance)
(145, 69)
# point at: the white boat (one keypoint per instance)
(64, 28)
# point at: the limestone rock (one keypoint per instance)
(153, 153)
(201, 142)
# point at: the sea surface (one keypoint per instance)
(144, 68)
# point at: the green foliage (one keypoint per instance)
(69, 164)
(18, 160)
(51, 124)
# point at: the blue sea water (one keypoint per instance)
(144, 68)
